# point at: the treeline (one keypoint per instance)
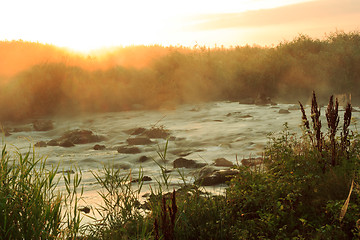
(151, 77)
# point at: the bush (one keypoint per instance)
(304, 187)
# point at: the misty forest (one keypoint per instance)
(42, 80)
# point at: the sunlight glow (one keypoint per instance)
(88, 24)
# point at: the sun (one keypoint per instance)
(122, 23)
(84, 25)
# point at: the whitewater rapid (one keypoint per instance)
(201, 132)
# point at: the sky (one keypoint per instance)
(85, 25)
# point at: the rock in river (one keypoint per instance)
(81, 137)
(222, 162)
(186, 163)
(217, 177)
(66, 143)
(43, 125)
(157, 132)
(135, 131)
(143, 159)
(53, 142)
(139, 141)
(70, 138)
(128, 150)
(40, 144)
(99, 147)
(144, 179)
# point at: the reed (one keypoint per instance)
(30, 206)
(120, 214)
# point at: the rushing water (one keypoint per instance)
(202, 132)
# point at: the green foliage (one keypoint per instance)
(304, 187)
(29, 205)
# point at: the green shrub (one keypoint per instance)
(303, 188)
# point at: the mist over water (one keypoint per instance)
(202, 132)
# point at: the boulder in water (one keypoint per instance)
(186, 163)
(139, 141)
(157, 132)
(81, 137)
(70, 138)
(222, 162)
(66, 143)
(43, 125)
(53, 142)
(99, 147)
(84, 209)
(217, 177)
(128, 150)
(154, 132)
(135, 131)
(144, 179)
(40, 144)
(143, 159)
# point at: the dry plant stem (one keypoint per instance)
(173, 210)
(164, 219)
(305, 121)
(333, 122)
(167, 221)
(344, 138)
(156, 229)
(315, 116)
(304, 118)
(332, 117)
(346, 204)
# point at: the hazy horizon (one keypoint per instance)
(91, 25)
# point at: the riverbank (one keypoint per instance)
(304, 192)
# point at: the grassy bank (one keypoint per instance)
(306, 189)
(49, 81)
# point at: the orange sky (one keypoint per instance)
(87, 24)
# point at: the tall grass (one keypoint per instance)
(30, 207)
(120, 214)
(31, 204)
